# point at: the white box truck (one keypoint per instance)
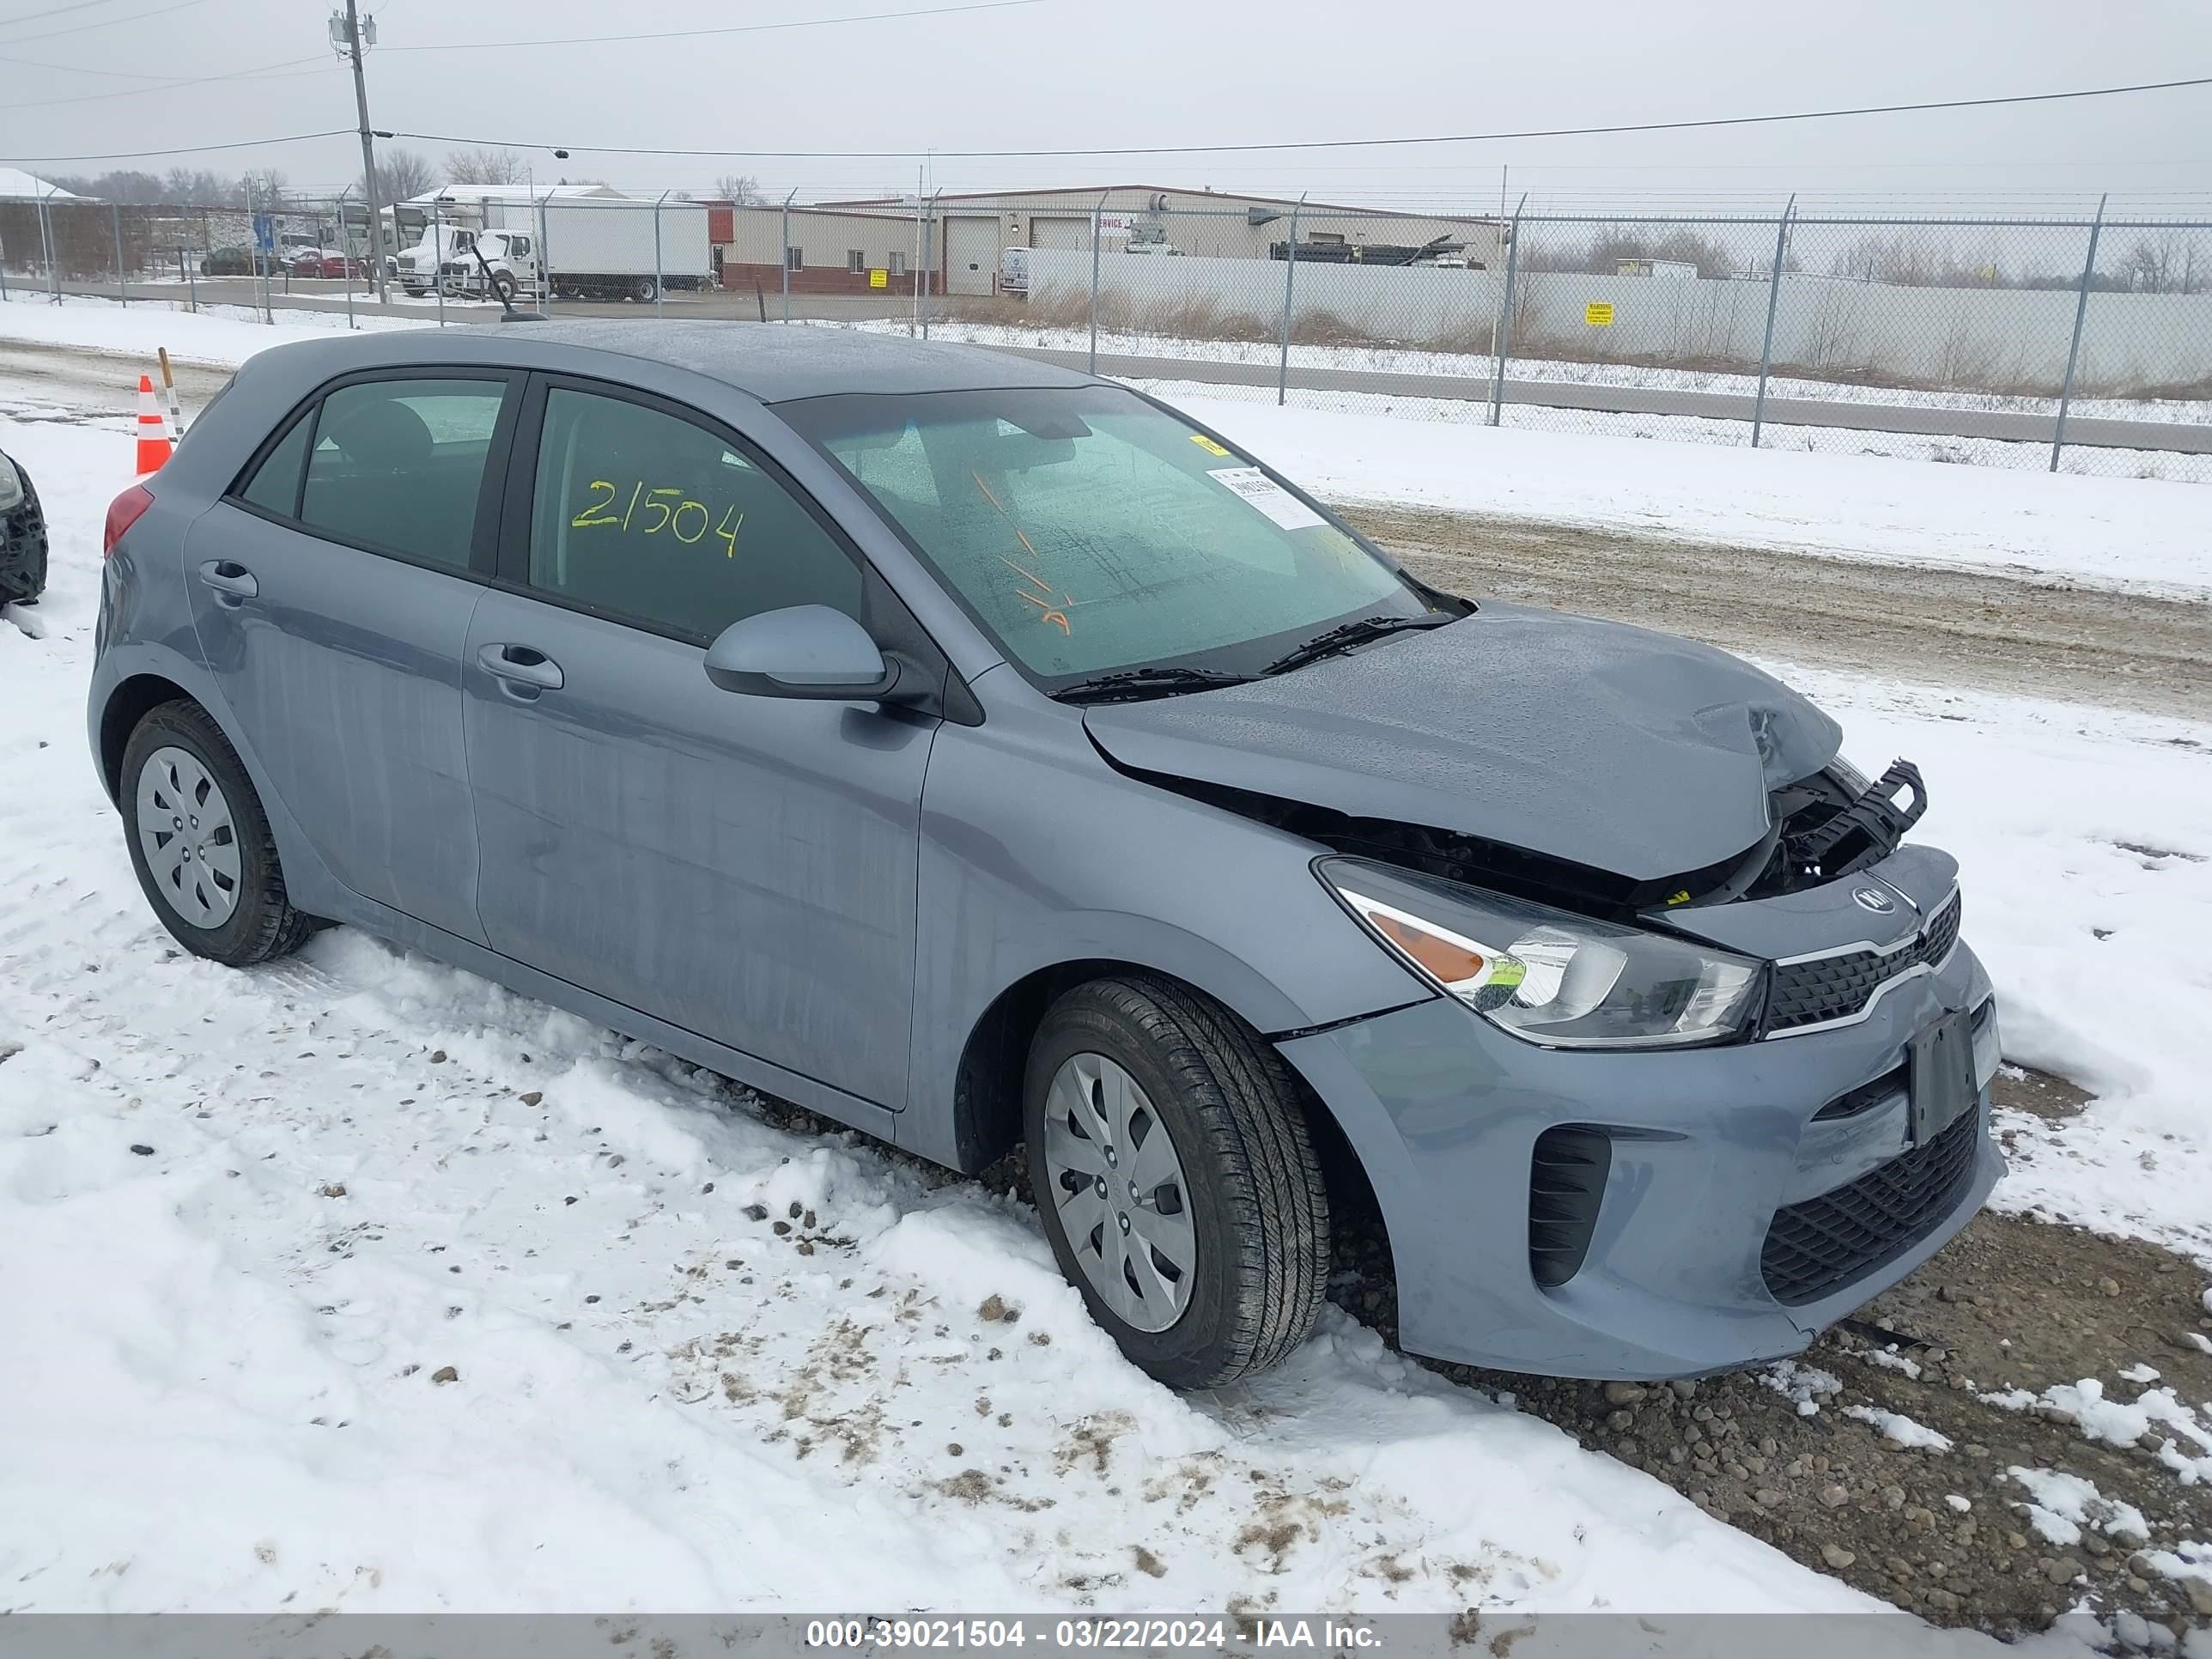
(590, 249)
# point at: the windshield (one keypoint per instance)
(1092, 532)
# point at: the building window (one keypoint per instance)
(795, 259)
(856, 260)
(898, 264)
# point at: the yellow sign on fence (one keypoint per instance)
(879, 278)
(1598, 314)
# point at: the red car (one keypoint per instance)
(323, 262)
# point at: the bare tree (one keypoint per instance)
(741, 189)
(200, 187)
(265, 188)
(485, 166)
(403, 174)
(2168, 262)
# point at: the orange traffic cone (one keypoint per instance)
(153, 445)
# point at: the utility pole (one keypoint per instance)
(346, 36)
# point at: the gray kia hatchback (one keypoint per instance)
(980, 753)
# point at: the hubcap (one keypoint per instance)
(1115, 1180)
(185, 830)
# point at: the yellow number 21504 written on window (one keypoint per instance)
(673, 508)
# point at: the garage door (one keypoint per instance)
(1060, 231)
(972, 255)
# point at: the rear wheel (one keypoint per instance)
(200, 842)
(645, 290)
(1168, 1155)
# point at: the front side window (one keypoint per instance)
(1092, 531)
(398, 465)
(645, 514)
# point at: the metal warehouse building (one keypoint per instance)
(834, 246)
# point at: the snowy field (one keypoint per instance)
(416, 1294)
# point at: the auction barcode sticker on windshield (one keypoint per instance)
(1265, 494)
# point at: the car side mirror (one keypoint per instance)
(801, 651)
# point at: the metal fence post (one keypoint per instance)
(1096, 214)
(46, 248)
(929, 260)
(786, 252)
(544, 260)
(122, 288)
(660, 276)
(1504, 342)
(345, 253)
(2074, 351)
(1290, 275)
(1773, 301)
(438, 258)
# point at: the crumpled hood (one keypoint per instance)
(1602, 744)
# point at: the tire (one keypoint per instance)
(645, 290)
(417, 293)
(260, 923)
(1248, 1180)
(503, 287)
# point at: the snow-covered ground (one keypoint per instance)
(357, 1282)
(2165, 465)
(2137, 535)
(224, 336)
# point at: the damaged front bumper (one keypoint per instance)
(1659, 1214)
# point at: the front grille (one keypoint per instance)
(1566, 1181)
(1836, 988)
(1820, 1245)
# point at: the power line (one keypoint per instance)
(105, 22)
(735, 28)
(1343, 144)
(50, 11)
(194, 80)
(188, 149)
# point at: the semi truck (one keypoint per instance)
(592, 248)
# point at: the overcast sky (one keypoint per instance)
(1059, 73)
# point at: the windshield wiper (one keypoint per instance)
(1345, 635)
(1147, 682)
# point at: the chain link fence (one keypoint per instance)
(2058, 344)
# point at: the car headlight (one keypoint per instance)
(1547, 976)
(11, 486)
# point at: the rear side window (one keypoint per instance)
(646, 514)
(399, 466)
(275, 485)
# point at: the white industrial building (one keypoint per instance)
(836, 246)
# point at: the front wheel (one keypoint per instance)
(1168, 1155)
(200, 842)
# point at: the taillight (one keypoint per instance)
(123, 512)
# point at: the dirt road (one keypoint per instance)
(2028, 636)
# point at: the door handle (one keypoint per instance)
(521, 664)
(226, 576)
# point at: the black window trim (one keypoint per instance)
(483, 535)
(885, 615)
